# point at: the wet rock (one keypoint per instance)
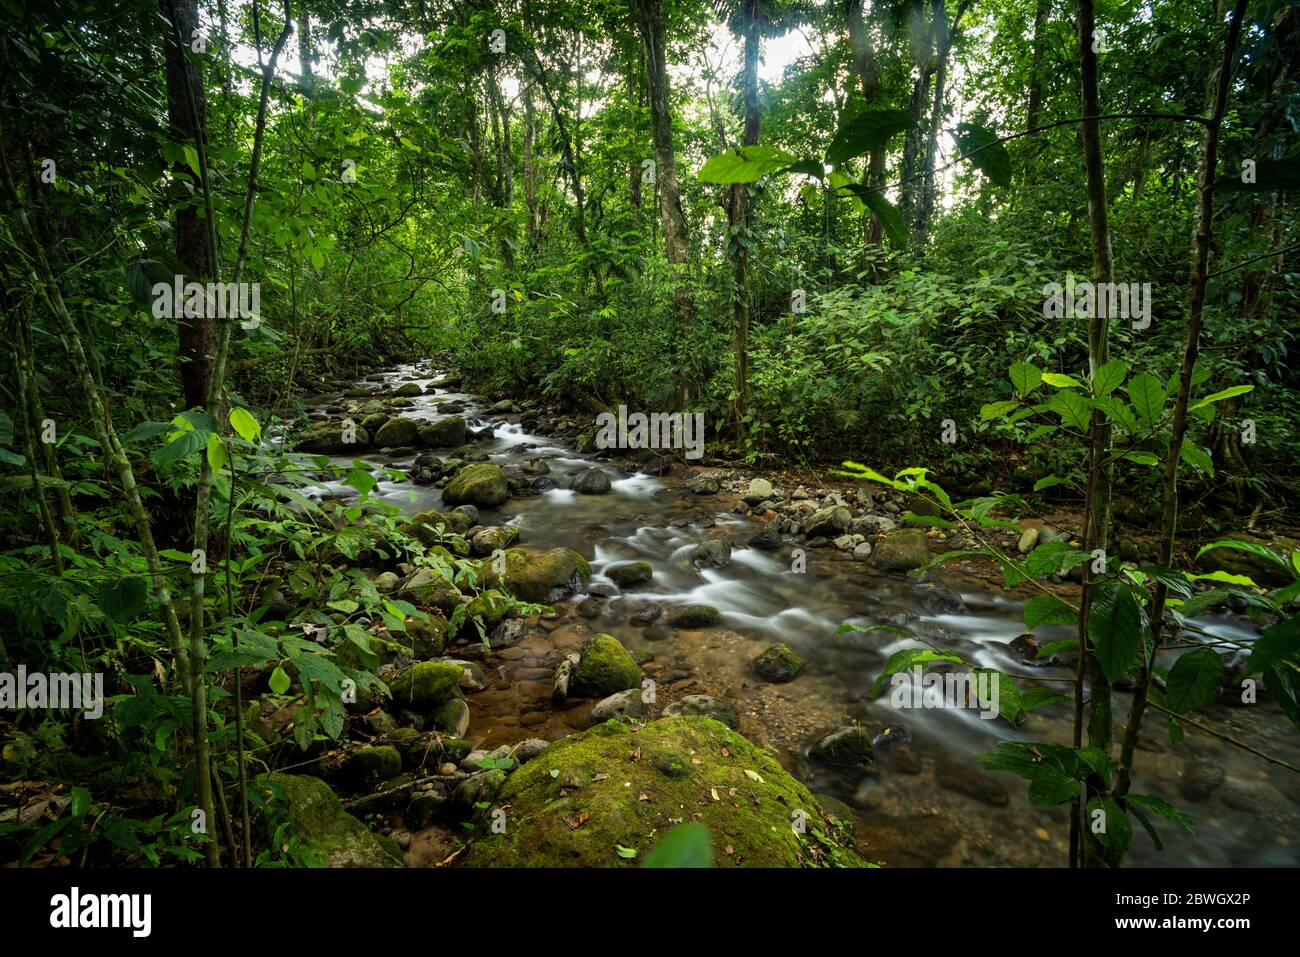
(657, 632)
(452, 717)
(847, 746)
(713, 553)
(964, 778)
(423, 809)
(694, 616)
(364, 766)
(760, 490)
(526, 750)
(708, 706)
(589, 608)
(386, 582)
(768, 540)
(509, 632)
(398, 431)
(901, 550)
(909, 840)
(892, 749)
(1025, 648)
(939, 600)
(408, 391)
(706, 486)
(752, 829)
(645, 615)
(630, 574)
(427, 638)
(604, 667)
(479, 787)
(330, 438)
(778, 663)
(563, 677)
(329, 833)
(443, 434)
(872, 525)
(487, 540)
(536, 466)
(590, 482)
(829, 522)
(624, 704)
(1200, 778)
(483, 485)
(862, 551)
(425, 685)
(538, 576)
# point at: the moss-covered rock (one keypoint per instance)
(901, 550)
(427, 638)
(487, 540)
(483, 485)
(604, 668)
(694, 616)
(330, 834)
(538, 576)
(425, 685)
(629, 786)
(630, 574)
(328, 438)
(398, 431)
(365, 766)
(443, 434)
(778, 662)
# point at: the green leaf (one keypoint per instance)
(1109, 825)
(627, 853)
(1118, 411)
(1115, 626)
(1220, 396)
(995, 410)
(1228, 578)
(905, 660)
(1048, 610)
(279, 681)
(1053, 558)
(361, 480)
(981, 147)
(1062, 381)
(1072, 408)
(865, 131)
(181, 446)
(686, 845)
(11, 458)
(243, 422)
(1197, 457)
(1147, 396)
(747, 164)
(1158, 805)
(123, 599)
(1109, 377)
(345, 605)
(1253, 548)
(885, 211)
(1276, 643)
(1025, 377)
(216, 452)
(1142, 458)
(808, 167)
(1194, 680)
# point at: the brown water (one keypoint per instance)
(1247, 811)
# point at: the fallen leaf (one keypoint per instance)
(754, 776)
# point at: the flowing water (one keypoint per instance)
(948, 811)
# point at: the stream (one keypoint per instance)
(936, 808)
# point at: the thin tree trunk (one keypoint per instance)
(1200, 277)
(1100, 469)
(741, 235)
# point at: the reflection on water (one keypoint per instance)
(1245, 810)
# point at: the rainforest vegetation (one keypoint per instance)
(497, 433)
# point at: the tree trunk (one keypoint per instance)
(197, 335)
(868, 70)
(740, 235)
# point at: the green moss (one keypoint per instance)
(778, 662)
(630, 574)
(425, 685)
(330, 834)
(483, 485)
(605, 667)
(537, 576)
(629, 786)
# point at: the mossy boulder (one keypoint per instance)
(604, 668)
(408, 390)
(630, 574)
(443, 434)
(694, 616)
(330, 834)
(628, 786)
(901, 550)
(425, 685)
(427, 638)
(328, 438)
(365, 766)
(778, 663)
(538, 576)
(487, 540)
(483, 484)
(398, 431)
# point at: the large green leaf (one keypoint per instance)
(1194, 680)
(890, 218)
(746, 164)
(1147, 395)
(1047, 610)
(1115, 628)
(124, 599)
(981, 147)
(865, 131)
